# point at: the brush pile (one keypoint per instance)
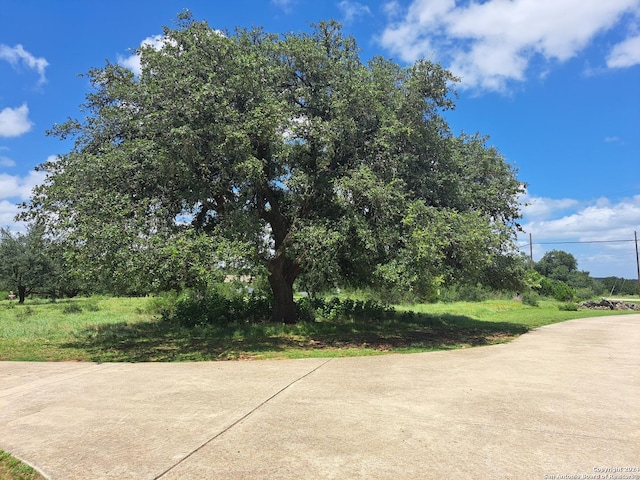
(605, 304)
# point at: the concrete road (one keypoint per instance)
(559, 402)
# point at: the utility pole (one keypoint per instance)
(635, 235)
(531, 253)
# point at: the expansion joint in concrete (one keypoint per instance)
(226, 429)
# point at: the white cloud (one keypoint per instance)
(492, 43)
(392, 9)
(19, 188)
(13, 190)
(352, 10)
(19, 56)
(563, 224)
(540, 208)
(284, 4)
(601, 220)
(132, 62)
(8, 211)
(625, 54)
(6, 162)
(15, 121)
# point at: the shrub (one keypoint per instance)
(221, 306)
(563, 292)
(218, 306)
(163, 304)
(557, 289)
(306, 307)
(335, 308)
(194, 309)
(531, 298)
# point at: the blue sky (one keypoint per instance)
(555, 84)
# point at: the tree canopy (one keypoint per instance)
(557, 264)
(282, 152)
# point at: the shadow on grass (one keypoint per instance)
(162, 340)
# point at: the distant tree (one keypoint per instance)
(25, 264)
(287, 150)
(557, 265)
(619, 286)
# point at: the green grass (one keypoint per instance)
(121, 330)
(13, 469)
(546, 313)
(40, 330)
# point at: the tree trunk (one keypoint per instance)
(22, 293)
(283, 272)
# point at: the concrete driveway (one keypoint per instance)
(562, 400)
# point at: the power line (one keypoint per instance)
(532, 243)
(585, 241)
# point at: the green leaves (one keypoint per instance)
(287, 147)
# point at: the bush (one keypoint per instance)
(335, 308)
(221, 306)
(563, 292)
(163, 305)
(218, 306)
(556, 289)
(193, 309)
(531, 298)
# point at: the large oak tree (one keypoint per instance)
(290, 149)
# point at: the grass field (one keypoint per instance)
(104, 329)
